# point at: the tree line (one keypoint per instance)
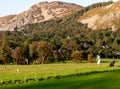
(58, 40)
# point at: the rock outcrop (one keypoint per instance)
(103, 17)
(37, 13)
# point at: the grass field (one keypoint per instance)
(21, 72)
(108, 80)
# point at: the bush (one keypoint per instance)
(77, 56)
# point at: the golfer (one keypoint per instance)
(98, 60)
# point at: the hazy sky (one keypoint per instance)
(8, 7)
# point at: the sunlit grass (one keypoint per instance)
(14, 72)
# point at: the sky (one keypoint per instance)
(9, 7)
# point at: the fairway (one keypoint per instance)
(90, 81)
(64, 44)
(46, 70)
(108, 80)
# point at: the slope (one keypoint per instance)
(103, 17)
(40, 12)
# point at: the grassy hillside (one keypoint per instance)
(103, 17)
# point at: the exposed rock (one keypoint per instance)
(103, 17)
(37, 13)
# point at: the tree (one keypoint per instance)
(18, 56)
(33, 51)
(76, 56)
(89, 58)
(115, 45)
(5, 51)
(69, 45)
(26, 48)
(5, 54)
(44, 51)
(106, 52)
(60, 55)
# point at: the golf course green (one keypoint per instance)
(106, 80)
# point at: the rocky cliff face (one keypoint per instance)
(37, 13)
(103, 17)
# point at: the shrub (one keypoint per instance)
(76, 56)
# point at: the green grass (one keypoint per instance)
(38, 71)
(45, 70)
(108, 80)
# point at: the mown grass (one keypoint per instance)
(46, 70)
(108, 80)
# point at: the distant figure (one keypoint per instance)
(98, 60)
(26, 61)
(112, 63)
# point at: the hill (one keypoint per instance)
(103, 17)
(40, 12)
(6, 19)
(61, 38)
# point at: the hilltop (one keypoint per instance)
(40, 12)
(103, 17)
